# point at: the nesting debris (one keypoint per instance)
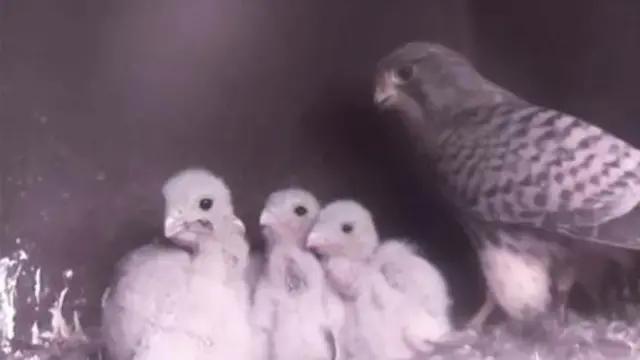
(581, 339)
(63, 341)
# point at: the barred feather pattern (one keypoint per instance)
(523, 164)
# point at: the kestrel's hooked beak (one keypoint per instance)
(385, 92)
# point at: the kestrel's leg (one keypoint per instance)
(566, 280)
(480, 317)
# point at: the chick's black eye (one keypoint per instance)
(405, 73)
(347, 228)
(300, 210)
(206, 204)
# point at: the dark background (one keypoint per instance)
(100, 101)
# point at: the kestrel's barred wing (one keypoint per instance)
(531, 166)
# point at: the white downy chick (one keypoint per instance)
(418, 279)
(296, 313)
(187, 299)
(254, 270)
(376, 315)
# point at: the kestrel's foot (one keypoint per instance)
(480, 318)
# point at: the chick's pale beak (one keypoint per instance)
(315, 240)
(266, 218)
(173, 224)
(239, 225)
(385, 91)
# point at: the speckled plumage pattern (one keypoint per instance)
(523, 179)
(528, 165)
(508, 161)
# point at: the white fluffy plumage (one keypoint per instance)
(419, 280)
(381, 322)
(187, 299)
(296, 314)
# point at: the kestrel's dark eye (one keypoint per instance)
(206, 204)
(404, 73)
(347, 228)
(300, 210)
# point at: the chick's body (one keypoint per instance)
(298, 316)
(382, 321)
(301, 322)
(188, 299)
(375, 317)
(421, 282)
